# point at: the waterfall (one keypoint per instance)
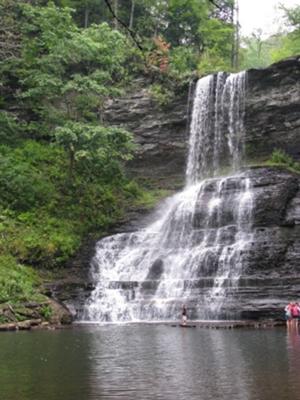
(193, 252)
(217, 127)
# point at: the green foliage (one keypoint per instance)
(17, 282)
(280, 157)
(184, 17)
(145, 198)
(217, 46)
(292, 16)
(288, 45)
(36, 238)
(94, 148)
(258, 52)
(60, 168)
(22, 184)
(67, 73)
(44, 216)
(183, 61)
(10, 130)
(161, 94)
(212, 62)
(46, 312)
(149, 199)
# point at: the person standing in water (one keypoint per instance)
(184, 315)
(295, 314)
(288, 315)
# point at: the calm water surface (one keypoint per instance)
(150, 362)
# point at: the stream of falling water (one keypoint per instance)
(194, 251)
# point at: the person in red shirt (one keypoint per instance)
(295, 313)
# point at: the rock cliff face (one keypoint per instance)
(272, 120)
(273, 110)
(271, 276)
(159, 132)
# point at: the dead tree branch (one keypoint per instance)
(215, 4)
(130, 31)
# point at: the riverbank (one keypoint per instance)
(39, 324)
(48, 314)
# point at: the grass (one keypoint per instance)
(18, 283)
(278, 158)
(150, 199)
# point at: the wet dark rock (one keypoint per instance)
(70, 292)
(271, 275)
(272, 117)
(272, 121)
(272, 260)
(274, 189)
(156, 270)
(22, 325)
(160, 134)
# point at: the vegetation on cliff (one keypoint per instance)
(281, 158)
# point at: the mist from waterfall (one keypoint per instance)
(193, 252)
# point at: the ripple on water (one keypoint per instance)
(146, 362)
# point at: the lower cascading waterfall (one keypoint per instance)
(195, 251)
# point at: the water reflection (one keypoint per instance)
(293, 350)
(164, 363)
(141, 362)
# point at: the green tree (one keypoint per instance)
(217, 52)
(94, 150)
(289, 43)
(256, 51)
(66, 72)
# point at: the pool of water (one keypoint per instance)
(150, 362)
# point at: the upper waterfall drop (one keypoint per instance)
(193, 251)
(219, 106)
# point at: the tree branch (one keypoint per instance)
(215, 4)
(131, 32)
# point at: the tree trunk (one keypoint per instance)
(259, 49)
(237, 36)
(235, 20)
(233, 35)
(86, 16)
(131, 14)
(116, 7)
(71, 162)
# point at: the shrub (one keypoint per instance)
(161, 94)
(17, 282)
(280, 157)
(46, 311)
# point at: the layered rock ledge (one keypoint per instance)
(272, 120)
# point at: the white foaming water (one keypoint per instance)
(217, 129)
(231, 261)
(194, 251)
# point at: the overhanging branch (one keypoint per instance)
(215, 4)
(131, 32)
